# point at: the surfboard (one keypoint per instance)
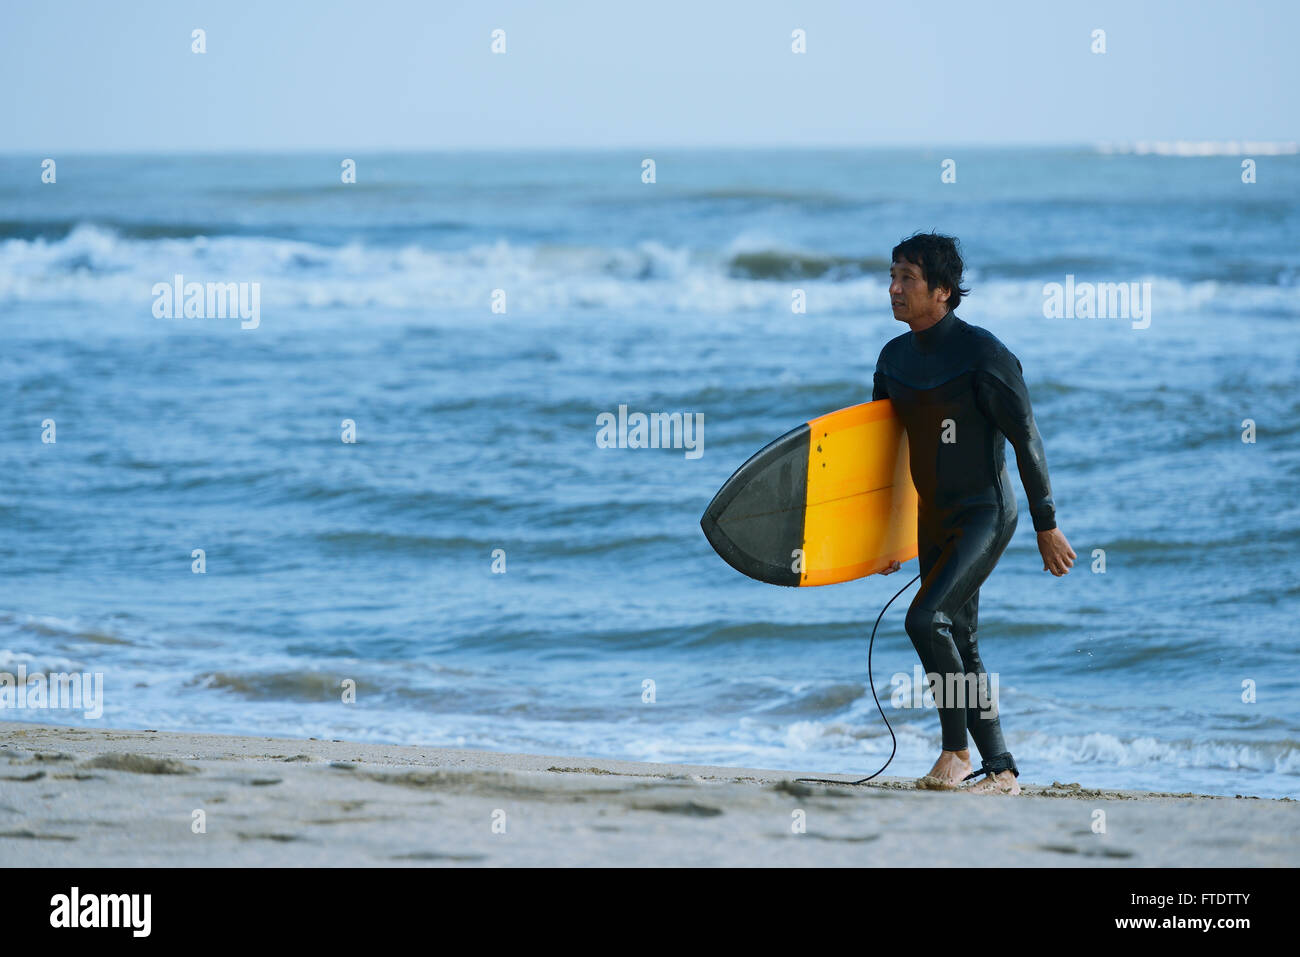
(829, 501)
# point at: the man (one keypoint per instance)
(959, 391)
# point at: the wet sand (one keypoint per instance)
(83, 797)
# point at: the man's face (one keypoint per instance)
(910, 296)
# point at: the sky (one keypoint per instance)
(95, 76)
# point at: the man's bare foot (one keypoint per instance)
(948, 772)
(1003, 782)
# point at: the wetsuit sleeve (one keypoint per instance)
(1003, 397)
(879, 390)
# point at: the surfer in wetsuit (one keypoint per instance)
(959, 391)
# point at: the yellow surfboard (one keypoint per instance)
(829, 501)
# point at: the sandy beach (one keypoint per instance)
(79, 797)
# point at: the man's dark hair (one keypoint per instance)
(939, 257)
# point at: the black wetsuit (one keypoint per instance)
(959, 391)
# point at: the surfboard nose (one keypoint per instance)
(755, 522)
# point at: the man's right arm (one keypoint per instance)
(878, 391)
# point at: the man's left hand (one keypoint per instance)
(1058, 556)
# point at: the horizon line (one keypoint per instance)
(1279, 147)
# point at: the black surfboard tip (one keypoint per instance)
(755, 522)
(742, 561)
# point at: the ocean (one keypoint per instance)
(475, 571)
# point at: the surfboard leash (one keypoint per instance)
(872, 683)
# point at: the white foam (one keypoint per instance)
(93, 265)
(1201, 148)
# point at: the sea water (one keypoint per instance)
(382, 512)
